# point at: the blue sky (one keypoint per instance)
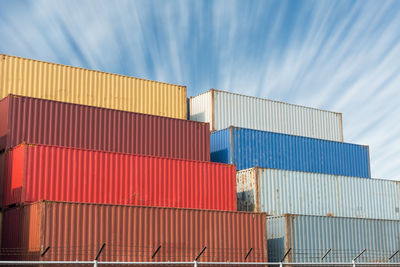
(338, 55)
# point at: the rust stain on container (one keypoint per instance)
(36, 172)
(22, 76)
(40, 121)
(75, 231)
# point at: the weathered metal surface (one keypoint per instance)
(278, 192)
(247, 148)
(224, 109)
(76, 231)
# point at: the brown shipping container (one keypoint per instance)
(39, 121)
(76, 231)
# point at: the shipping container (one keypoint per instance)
(224, 109)
(22, 76)
(40, 121)
(249, 148)
(278, 192)
(310, 237)
(76, 231)
(36, 172)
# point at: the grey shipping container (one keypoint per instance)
(310, 237)
(278, 192)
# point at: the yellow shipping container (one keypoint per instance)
(22, 76)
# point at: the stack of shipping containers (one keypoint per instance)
(293, 165)
(91, 158)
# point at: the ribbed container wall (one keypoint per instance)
(279, 192)
(310, 237)
(50, 122)
(224, 109)
(22, 76)
(36, 172)
(247, 148)
(76, 231)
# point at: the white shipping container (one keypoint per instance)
(279, 192)
(223, 109)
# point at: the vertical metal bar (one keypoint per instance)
(248, 253)
(394, 254)
(95, 263)
(99, 252)
(284, 256)
(359, 254)
(195, 263)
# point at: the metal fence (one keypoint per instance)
(96, 263)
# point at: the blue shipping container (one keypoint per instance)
(247, 148)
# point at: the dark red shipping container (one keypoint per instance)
(76, 231)
(36, 172)
(39, 121)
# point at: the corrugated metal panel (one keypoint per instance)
(38, 172)
(200, 108)
(252, 148)
(75, 231)
(224, 109)
(22, 76)
(277, 192)
(49, 122)
(310, 237)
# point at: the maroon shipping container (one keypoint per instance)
(39, 121)
(36, 172)
(76, 231)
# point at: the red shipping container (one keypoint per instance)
(39, 121)
(36, 172)
(76, 231)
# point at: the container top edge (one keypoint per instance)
(110, 73)
(103, 108)
(335, 217)
(27, 144)
(137, 206)
(299, 136)
(324, 174)
(277, 101)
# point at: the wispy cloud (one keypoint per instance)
(339, 55)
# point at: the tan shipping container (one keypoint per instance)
(22, 76)
(76, 231)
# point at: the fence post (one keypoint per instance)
(195, 263)
(95, 263)
(354, 263)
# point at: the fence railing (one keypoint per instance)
(96, 263)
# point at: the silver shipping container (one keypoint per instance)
(309, 238)
(278, 192)
(223, 109)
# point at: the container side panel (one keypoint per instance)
(69, 174)
(56, 123)
(221, 146)
(34, 78)
(4, 104)
(133, 233)
(14, 176)
(200, 108)
(246, 189)
(261, 114)
(276, 238)
(292, 192)
(253, 148)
